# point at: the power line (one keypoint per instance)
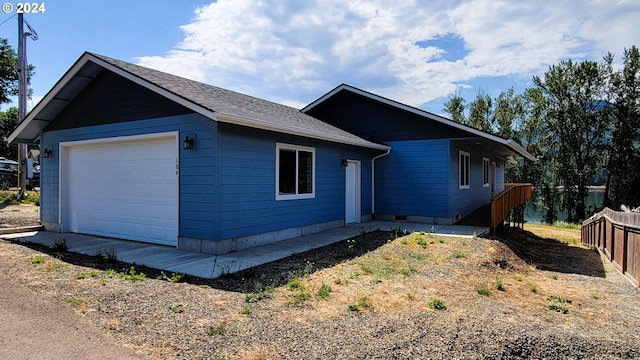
(9, 18)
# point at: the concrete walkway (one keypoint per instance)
(206, 266)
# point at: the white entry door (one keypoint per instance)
(352, 192)
(123, 188)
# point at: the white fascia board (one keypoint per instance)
(264, 125)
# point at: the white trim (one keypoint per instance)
(63, 169)
(358, 190)
(485, 162)
(152, 136)
(467, 170)
(295, 148)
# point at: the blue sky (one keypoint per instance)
(292, 52)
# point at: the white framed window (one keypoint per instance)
(295, 172)
(464, 167)
(485, 172)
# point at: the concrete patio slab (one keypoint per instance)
(206, 266)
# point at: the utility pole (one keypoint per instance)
(22, 103)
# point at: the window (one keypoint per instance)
(463, 167)
(295, 172)
(485, 172)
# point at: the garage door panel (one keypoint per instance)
(124, 189)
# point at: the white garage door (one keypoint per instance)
(124, 189)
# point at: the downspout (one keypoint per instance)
(373, 181)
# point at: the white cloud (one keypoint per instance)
(293, 52)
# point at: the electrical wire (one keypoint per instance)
(9, 18)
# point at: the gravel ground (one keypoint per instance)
(12, 216)
(378, 306)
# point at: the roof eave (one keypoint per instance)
(264, 125)
(511, 144)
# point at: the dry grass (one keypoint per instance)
(558, 233)
(379, 277)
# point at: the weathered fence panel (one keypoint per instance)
(617, 235)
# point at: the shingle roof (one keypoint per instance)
(511, 144)
(227, 103)
(219, 104)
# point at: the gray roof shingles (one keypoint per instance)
(229, 102)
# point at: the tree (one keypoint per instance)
(508, 113)
(575, 126)
(8, 123)
(623, 168)
(455, 106)
(8, 88)
(481, 112)
(8, 72)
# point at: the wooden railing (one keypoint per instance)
(509, 203)
(617, 235)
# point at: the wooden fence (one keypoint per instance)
(617, 235)
(509, 203)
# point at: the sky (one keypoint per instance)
(292, 52)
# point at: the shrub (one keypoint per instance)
(174, 278)
(37, 259)
(264, 293)
(132, 275)
(362, 302)
(560, 299)
(559, 308)
(437, 304)
(459, 255)
(60, 245)
(176, 308)
(483, 290)
(324, 292)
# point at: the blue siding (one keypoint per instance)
(413, 179)
(199, 198)
(379, 122)
(465, 201)
(110, 98)
(248, 205)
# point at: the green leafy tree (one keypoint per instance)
(623, 168)
(455, 107)
(8, 72)
(8, 123)
(575, 126)
(481, 112)
(508, 113)
(9, 88)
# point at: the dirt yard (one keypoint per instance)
(530, 294)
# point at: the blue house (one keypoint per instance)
(437, 171)
(138, 154)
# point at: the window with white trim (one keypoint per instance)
(485, 172)
(464, 167)
(295, 172)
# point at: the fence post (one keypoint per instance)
(625, 253)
